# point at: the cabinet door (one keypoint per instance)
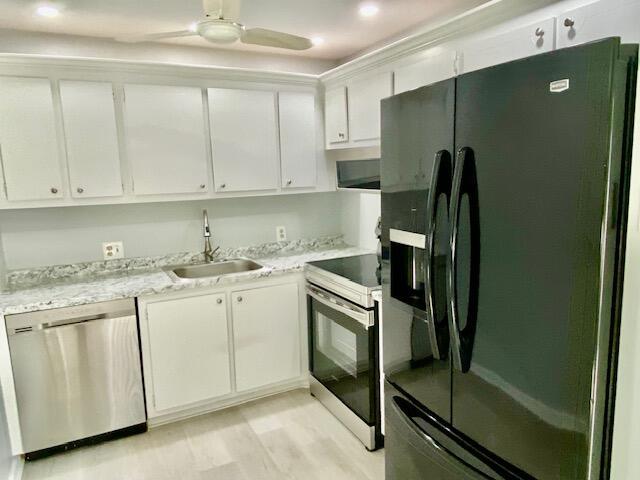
(266, 324)
(165, 136)
(606, 18)
(430, 68)
(335, 116)
(244, 139)
(91, 139)
(28, 139)
(364, 106)
(522, 42)
(297, 139)
(189, 350)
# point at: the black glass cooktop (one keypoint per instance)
(361, 269)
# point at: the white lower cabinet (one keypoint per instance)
(266, 335)
(200, 353)
(188, 351)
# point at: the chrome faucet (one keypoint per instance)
(208, 251)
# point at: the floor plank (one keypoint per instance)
(289, 436)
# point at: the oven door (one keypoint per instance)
(342, 351)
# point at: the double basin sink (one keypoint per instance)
(224, 267)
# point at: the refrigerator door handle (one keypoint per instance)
(465, 183)
(441, 166)
(452, 300)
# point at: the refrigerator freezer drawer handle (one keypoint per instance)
(445, 455)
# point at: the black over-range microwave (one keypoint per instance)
(359, 174)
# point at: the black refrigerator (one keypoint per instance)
(504, 211)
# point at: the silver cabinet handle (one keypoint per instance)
(54, 190)
(239, 299)
(569, 22)
(80, 190)
(219, 301)
(539, 32)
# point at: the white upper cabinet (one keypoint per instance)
(266, 331)
(335, 116)
(91, 139)
(165, 137)
(606, 18)
(364, 106)
(522, 42)
(297, 139)
(28, 139)
(244, 139)
(429, 68)
(188, 351)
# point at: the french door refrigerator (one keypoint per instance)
(504, 209)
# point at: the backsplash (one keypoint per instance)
(34, 276)
(35, 238)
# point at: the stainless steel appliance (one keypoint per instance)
(343, 342)
(77, 374)
(504, 212)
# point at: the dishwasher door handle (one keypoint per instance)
(74, 321)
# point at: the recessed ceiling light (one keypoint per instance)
(369, 9)
(317, 41)
(47, 11)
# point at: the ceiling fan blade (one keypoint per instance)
(271, 38)
(227, 9)
(150, 37)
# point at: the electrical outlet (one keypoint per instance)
(111, 250)
(281, 234)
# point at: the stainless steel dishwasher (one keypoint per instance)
(77, 375)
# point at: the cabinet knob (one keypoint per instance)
(223, 185)
(219, 301)
(539, 32)
(202, 186)
(80, 190)
(569, 22)
(341, 135)
(239, 299)
(289, 182)
(54, 190)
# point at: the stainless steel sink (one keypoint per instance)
(235, 265)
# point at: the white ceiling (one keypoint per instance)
(337, 21)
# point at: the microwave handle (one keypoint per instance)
(364, 317)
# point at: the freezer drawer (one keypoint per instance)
(415, 449)
(77, 373)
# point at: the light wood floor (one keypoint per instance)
(287, 436)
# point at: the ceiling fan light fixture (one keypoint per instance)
(219, 31)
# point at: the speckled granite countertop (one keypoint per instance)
(69, 285)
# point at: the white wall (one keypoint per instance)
(15, 41)
(50, 236)
(359, 214)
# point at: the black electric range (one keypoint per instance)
(344, 343)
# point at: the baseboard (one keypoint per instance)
(230, 401)
(17, 466)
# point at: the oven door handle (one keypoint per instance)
(365, 317)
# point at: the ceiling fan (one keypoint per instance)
(220, 25)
